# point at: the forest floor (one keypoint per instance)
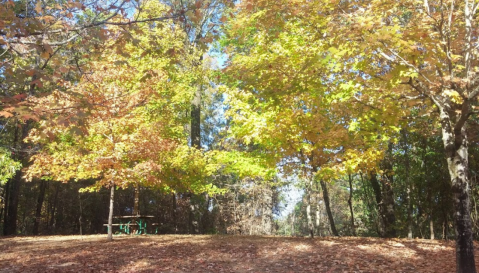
(202, 253)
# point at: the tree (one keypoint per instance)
(120, 124)
(418, 52)
(423, 50)
(45, 44)
(282, 98)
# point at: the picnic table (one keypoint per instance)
(133, 224)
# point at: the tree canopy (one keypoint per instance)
(373, 100)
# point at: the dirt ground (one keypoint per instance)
(215, 253)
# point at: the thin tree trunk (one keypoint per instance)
(328, 208)
(292, 223)
(445, 229)
(431, 227)
(110, 214)
(308, 211)
(136, 210)
(196, 118)
(318, 229)
(350, 203)
(175, 222)
(54, 208)
(2, 202)
(388, 203)
(408, 185)
(81, 214)
(6, 204)
(38, 211)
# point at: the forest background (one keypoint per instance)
(120, 107)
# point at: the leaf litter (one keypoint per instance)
(224, 253)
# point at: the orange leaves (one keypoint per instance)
(6, 114)
(75, 4)
(38, 7)
(19, 97)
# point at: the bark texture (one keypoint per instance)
(328, 208)
(350, 203)
(455, 144)
(110, 214)
(38, 211)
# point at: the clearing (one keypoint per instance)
(217, 253)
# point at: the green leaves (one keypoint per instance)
(8, 166)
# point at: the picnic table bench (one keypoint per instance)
(133, 224)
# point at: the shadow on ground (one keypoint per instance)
(175, 253)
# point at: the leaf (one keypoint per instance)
(38, 83)
(30, 72)
(20, 96)
(6, 114)
(30, 117)
(38, 7)
(45, 55)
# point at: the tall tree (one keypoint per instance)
(201, 24)
(424, 51)
(44, 45)
(120, 124)
(415, 52)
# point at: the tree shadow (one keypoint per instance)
(223, 253)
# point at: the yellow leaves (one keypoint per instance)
(121, 121)
(356, 160)
(453, 95)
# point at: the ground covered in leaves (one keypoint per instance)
(201, 253)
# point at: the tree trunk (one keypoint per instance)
(292, 223)
(455, 145)
(318, 220)
(175, 222)
(385, 200)
(10, 223)
(388, 207)
(110, 214)
(54, 208)
(408, 185)
(445, 225)
(308, 211)
(136, 206)
(267, 214)
(3, 197)
(388, 203)
(5, 205)
(377, 194)
(431, 227)
(38, 212)
(13, 190)
(350, 203)
(328, 208)
(81, 214)
(196, 118)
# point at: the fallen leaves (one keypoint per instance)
(202, 253)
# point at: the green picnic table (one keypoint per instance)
(133, 224)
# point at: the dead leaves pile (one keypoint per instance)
(202, 253)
